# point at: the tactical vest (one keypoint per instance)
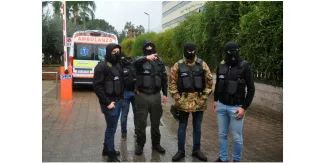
(191, 78)
(113, 80)
(149, 77)
(231, 82)
(127, 75)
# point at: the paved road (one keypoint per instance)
(73, 130)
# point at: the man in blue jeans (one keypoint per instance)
(129, 93)
(108, 86)
(190, 84)
(231, 99)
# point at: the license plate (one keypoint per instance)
(83, 71)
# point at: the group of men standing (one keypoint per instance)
(120, 80)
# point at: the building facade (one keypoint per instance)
(174, 12)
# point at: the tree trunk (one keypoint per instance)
(75, 16)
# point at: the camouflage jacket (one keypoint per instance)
(192, 102)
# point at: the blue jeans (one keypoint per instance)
(197, 121)
(127, 99)
(227, 119)
(111, 117)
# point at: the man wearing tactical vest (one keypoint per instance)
(108, 86)
(151, 78)
(190, 84)
(129, 94)
(231, 100)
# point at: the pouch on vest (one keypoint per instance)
(146, 81)
(158, 81)
(146, 74)
(198, 82)
(109, 87)
(138, 80)
(186, 80)
(126, 76)
(220, 86)
(232, 87)
(117, 87)
(126, 72)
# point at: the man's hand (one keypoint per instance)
(152, 57)
(164, 99)
(111, 105)
(214, 106)
(241, 113)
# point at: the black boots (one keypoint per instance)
(123, 136)
(112, 157)
(138, 150)
(178, 155)
(198, 154)
(105, 153)
(219, 160)
(159, 148)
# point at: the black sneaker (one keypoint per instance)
(159, 148)
(198, 154)
(236, 161)
(123, 136)
(139, 150)
(219, 160)
(112, 157)
(178, 155)
(106, 153)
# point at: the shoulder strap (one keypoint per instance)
(199, 61)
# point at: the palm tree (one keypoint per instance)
(83, 8)
(77, 10)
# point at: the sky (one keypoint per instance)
(117, 13)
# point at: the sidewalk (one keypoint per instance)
(73, 130)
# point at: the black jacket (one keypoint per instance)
(129, 78)
(102, 71)
(247, 76)
(139, 61)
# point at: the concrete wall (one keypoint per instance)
(269, 97)
(50, 76)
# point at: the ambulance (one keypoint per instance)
(87, 49)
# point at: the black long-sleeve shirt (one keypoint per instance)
(248, 77)
(139, 61)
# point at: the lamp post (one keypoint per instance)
(148, 21)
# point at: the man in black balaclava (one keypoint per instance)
(189, 51)
(151, 78)
(108, 86)
(190, 84)
(231, 53)
(148, 48)
(231, 100)
(129, 94)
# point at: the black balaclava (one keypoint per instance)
(188, 51)
(145, 44)
(113, 59)
(231, 53)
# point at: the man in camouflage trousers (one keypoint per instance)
(190, 84)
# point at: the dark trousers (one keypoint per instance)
(197, 121)
(148, 103)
